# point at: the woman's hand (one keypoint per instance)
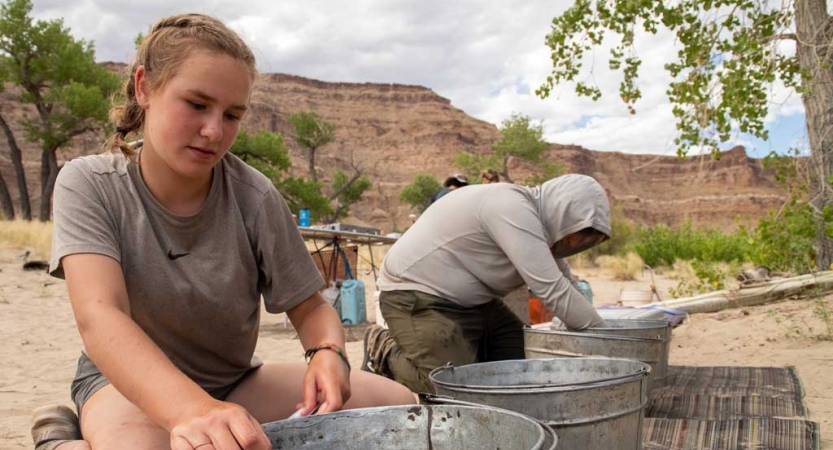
(217, 425)
(327, 381)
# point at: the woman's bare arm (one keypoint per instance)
(136, 366)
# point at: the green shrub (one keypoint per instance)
(785, 240)
(622, 236)
(662, 246)
(696, 277)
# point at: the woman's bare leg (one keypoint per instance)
(74, 445)
(272, 391)
(108, 420)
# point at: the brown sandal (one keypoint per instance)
(54, 425)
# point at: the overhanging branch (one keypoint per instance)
(345, 185)
(783, 37)
(60, 143)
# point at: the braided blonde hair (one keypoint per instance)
(161, 53)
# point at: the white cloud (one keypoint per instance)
(487, 57)
(645, 132)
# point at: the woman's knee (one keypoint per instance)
(369, 390)
(272, 392)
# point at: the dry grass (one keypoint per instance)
(681, 271)
(621, 267)
(33, 236)
(580, 261)
(684, 271)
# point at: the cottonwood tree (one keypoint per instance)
(418, 192)
(346, 190)
(520, 139)
(722, 75)
(59, 77)
(267, 152)
(6, 197)
(312, 132)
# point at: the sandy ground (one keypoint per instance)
(39, 344)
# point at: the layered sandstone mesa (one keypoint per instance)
(666, 189)
(394, 132)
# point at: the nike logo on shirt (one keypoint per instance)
(173, 256)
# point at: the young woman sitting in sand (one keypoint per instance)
(166, 251)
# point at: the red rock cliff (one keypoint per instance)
(395, 132)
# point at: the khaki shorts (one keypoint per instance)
(88, 380)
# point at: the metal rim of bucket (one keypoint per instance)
(644, 371)
(593, 336)
(647, 325)
(601, 337)
(437, 399)
(661, 323)
(445, 399)
(539, 444)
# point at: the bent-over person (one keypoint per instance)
(443, 280)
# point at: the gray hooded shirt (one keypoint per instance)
(480, 242)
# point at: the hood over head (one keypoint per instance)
(571, 203)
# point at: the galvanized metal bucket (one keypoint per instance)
(592, 403)
(659, 329)
(550, 438)
(560, 344)
(410, 427)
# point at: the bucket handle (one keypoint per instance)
(431, 399)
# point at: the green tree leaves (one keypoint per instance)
(418, 193)
(267, 152)
(721, 77)
(521, 139)
(59, 77)
(311, 133)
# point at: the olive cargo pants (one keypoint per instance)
(430, 331)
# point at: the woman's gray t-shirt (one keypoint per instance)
(194, 283)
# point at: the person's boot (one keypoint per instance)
(54, 425)
(377, 345)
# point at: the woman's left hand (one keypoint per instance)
(326, 382)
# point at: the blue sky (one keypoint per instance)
(486, 56)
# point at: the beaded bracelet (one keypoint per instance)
(327, 346)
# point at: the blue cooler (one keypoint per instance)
(584, 288)
(303, 217)
(353, 310)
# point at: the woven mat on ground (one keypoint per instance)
(715, 407)
(731, 381)
(741, 434)
(727, 393)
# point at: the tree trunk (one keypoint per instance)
(17, 163)
(49, 172)
(312, 165)
(505, 173)
(814, 32)
(6, 200)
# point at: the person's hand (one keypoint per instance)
(218, 425)
(327, 379)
